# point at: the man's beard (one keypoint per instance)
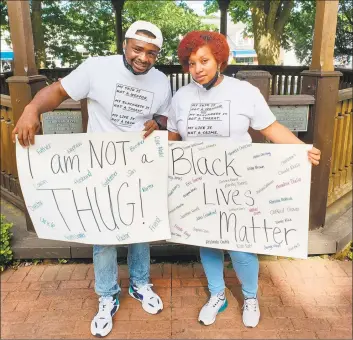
(130, 68)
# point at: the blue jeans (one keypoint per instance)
(106, 267)
(246, 266)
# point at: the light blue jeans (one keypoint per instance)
(246, 266)
(106, 267)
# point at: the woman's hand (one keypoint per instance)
(314, 156)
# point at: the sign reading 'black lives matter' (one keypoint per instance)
(252, 197)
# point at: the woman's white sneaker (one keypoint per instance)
(251, 312)
(216, 304)
(150, 301)
(102, 323)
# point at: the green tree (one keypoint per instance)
(265, 20)
(4, 20)
(60, 27)
(173, 20)
(38, 33)
(69, 25)
(301, 31)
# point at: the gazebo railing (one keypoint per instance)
(340, 180)
(286, 80)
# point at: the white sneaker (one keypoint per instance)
(150, 301)
(251, 312)
(216, 304)
(102, 323)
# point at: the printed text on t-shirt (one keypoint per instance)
(209, 119)
(129, 103)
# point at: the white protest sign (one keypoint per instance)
(251, 197)
(106, 188)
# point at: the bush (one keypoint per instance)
(5, 247)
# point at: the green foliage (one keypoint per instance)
(173, 20)
(91, 24)
(301, 30)
(4, 20)
(5, 247)
(265, 20)
(298, 31)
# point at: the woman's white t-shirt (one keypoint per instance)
(117, 99)
(224, 112)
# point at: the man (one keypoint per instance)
(124, 94)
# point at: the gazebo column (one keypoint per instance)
(223, 6)
(322, 82)
(25, 82)
(118, 7)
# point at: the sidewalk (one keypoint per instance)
(299, 300)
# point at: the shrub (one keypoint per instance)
(5, 247)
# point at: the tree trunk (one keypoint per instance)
(267, 33)
(38, 34)
(267, 47)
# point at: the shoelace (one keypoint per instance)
(214, 300)
(248, 303)
(145, 289)
(104, 302)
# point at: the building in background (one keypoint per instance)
(6, 54)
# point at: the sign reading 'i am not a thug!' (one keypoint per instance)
(252, 197)
(97, 188)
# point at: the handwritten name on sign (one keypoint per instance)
(252, 197)
(97, 188)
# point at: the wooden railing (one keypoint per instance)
(340, 182)
(10, 187)
(286, 80)
(8, 176)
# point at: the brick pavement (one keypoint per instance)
(309, 299)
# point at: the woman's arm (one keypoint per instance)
(279, 134)
(174, 136)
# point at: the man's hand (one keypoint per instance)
(26, 127)
(150, 126)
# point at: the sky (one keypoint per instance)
(197, 6)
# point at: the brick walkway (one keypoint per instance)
(299, 299)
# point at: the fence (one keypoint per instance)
(9, 183)
(340, 181)
(10, 187)
(285, 79)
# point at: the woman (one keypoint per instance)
(205, 54)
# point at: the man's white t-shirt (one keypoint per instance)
(224, 112)
(117, 99)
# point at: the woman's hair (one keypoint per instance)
(196, 39)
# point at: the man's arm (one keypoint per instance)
(47, 99)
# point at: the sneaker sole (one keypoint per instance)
(222, 309)
(98, 335)
(159, 310)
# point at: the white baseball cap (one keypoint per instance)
(146, 26)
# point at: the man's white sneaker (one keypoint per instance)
(216, 304)
(251, 312)
(150, 301)
(102, 323)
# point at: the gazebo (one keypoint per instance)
(329, 124)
